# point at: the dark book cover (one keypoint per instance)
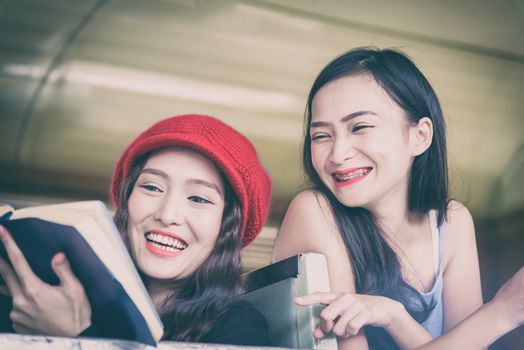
(114, 315)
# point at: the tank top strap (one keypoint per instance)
(437, 237)
(434, 322)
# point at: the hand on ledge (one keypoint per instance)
(509, 301)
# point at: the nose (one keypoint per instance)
(170, 211)
(342, 150)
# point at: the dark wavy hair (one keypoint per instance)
(199, 300)
(376, 267)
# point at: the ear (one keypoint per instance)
(420, 136)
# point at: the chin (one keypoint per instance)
(350, 201)
(167, 277)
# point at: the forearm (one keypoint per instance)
(357, 342)
(406, 331)
(477, 331)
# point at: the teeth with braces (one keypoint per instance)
(351, 175)
(169, 244)
(165, 247)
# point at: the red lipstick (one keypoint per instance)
(350, 176)
(164, 243)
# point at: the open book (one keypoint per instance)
(272, 289)
(85, 232)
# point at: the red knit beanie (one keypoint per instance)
(231, 152)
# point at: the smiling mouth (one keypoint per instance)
(165, 243)
(346, 178)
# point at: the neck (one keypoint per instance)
(392, 212)
(159, 291)
(392, 218)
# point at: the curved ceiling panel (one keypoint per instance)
(80, 79)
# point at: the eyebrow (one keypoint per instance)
(205, 183)
(194, 181)
(343, 119)
(157, 172)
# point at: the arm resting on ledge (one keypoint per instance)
(491, 321)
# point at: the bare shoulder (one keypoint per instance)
(457, 212)
(458, 219)
(313, 203)
(460, 230)
(310, 208)
(308, 225)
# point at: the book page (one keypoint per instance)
(72, 213)
(62, 213)
(315, 278)
(5, 208)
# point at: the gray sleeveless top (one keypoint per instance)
(434, 322)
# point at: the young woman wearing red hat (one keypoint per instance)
(190, 192)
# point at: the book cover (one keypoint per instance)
(85, 232)
(272, 289)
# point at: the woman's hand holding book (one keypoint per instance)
(38, 307)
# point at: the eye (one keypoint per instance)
(360, 127)
(151, 188)
(320, 137)
(199, 200)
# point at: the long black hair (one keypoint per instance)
(375, 265)
(197, 301)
